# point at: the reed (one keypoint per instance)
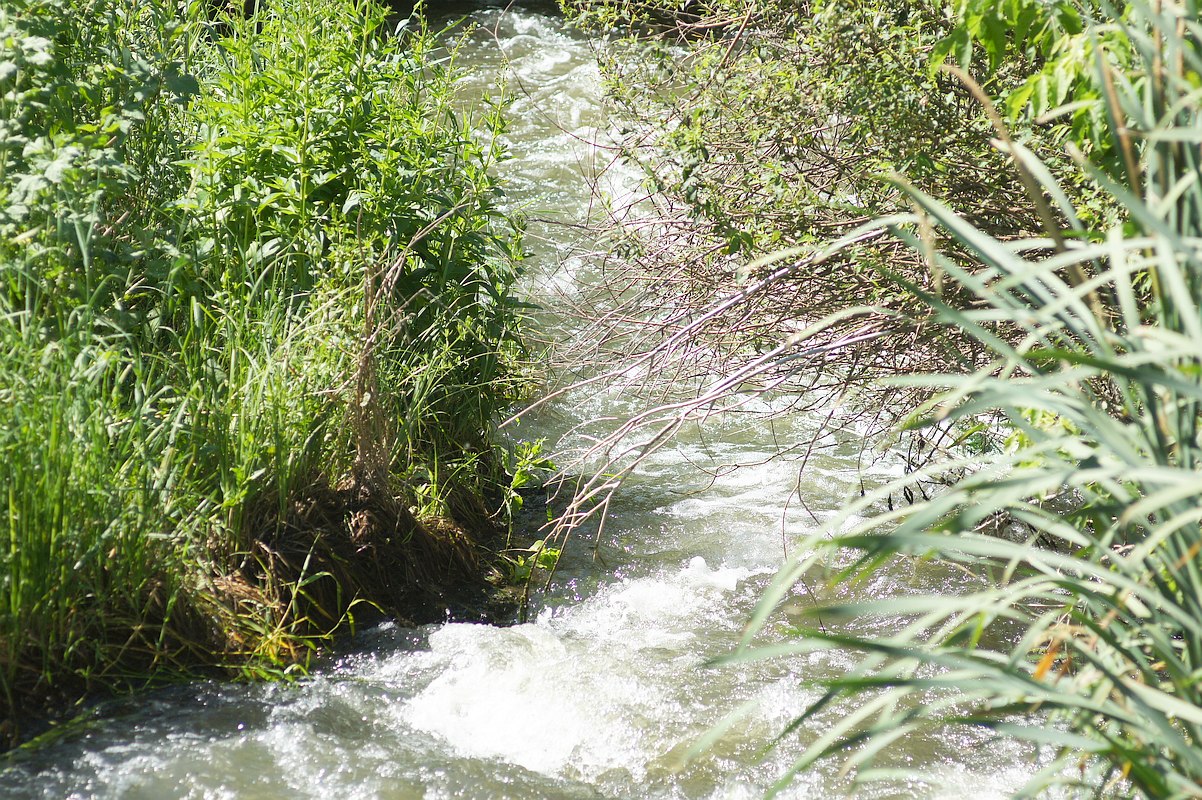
(1082, 635)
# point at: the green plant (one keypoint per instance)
(89, 97)
(766, 127)
(527, 466)
(253, 280)
(538, 556)
(92, 576)
(1082, 635)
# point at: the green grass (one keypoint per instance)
(1096, 344)
(246, 268)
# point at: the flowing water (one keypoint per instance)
(606, 690)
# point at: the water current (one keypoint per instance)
(605, 690)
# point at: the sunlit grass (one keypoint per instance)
(1099, 373)
(252, 262)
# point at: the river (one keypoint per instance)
(605, 690)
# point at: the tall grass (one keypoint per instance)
(224, 246)
(1085, 634)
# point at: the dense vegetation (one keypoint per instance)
(1020, 252)
(255, 324)
(770, 127)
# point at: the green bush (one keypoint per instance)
(769, 127)
(1099, 574)
(87, 100)
(242, 263)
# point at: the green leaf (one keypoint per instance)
(181, 84)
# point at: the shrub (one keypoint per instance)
(767, 127)
(253, 283)
(1102, 583)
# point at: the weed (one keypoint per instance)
(253, 280)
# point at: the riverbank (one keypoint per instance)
(257, 324)
(984, 219)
